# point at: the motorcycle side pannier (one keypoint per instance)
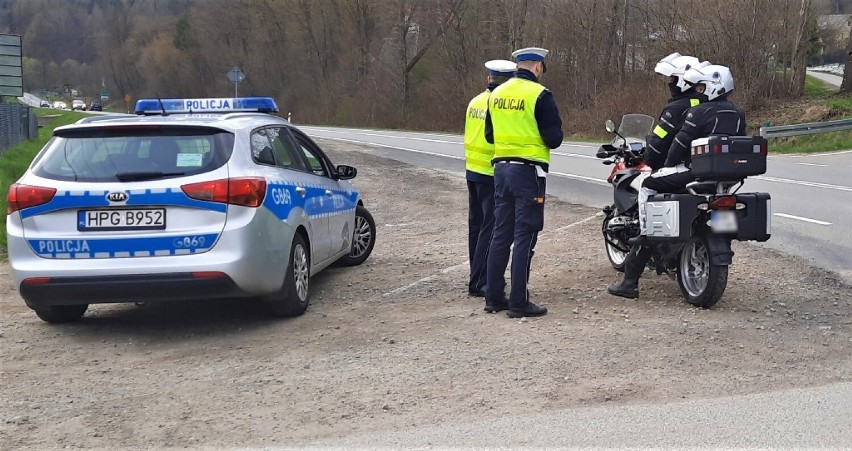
(669, 217)
(754, 222)
(728, 157)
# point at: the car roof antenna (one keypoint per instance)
(162, 107)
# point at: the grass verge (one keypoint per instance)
(815, 87)
(825, 142)
(16, 159)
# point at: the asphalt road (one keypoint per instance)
(811, 194)
(800, 418)
(833, 80)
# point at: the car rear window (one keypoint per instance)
(113, 154)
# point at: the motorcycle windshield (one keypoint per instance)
(634, 127)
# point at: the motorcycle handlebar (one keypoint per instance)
(607, 150)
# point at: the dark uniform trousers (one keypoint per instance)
(519, 216)
(480, 226)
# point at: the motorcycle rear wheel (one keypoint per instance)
(701, 283)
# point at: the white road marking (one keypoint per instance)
(460, 139)
(405, 287)
(580, 177)
(466, 263)
(434, 154)
(813, 164)
(379, 135)
(350, 130)
(799, 182)
(799, 218)
(574, 155)
(582, 221)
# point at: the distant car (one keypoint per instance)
(44, 104)
(172, 204)
(60, 105)
(78, 105)
(95, 106)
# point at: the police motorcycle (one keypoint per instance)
(689, 233)
(624, 153)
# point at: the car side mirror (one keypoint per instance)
(345, 172)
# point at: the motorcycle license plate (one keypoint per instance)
(723, 221)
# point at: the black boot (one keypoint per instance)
(634, 264)
(628, 288)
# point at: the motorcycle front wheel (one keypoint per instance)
(701, 283)
(614, 247)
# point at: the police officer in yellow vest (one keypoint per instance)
(480, 176)
(523, 123)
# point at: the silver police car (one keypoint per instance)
(192, 198)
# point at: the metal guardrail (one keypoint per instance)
(810, 128)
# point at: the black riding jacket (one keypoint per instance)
(717, 117)
(670, 121)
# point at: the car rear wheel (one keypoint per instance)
(292, 298)
(363, 238)
(61, 313)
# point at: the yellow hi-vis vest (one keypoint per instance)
(477, 151)
(512, 109)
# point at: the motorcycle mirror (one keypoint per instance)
(610, 125)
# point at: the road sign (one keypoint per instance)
(104, 96)
(236, 75)
(127, 98)
(11, 75)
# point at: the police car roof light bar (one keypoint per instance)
(212, 105)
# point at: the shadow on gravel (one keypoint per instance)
(179, 320)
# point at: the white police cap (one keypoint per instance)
(501, 68)
(530, 54)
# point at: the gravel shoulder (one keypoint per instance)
(396, 342)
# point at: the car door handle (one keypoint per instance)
(329, 193)
(301, 191)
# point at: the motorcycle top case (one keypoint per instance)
(669, 217)
(728, 157)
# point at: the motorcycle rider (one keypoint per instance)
(683, 97)
(718, 116)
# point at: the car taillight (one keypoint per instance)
(25, 196)
(246, 191)
(724, 203)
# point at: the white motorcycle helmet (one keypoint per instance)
(675, 65)
(717, 80)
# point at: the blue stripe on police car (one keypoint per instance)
(123, 247)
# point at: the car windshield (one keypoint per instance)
(132, 154)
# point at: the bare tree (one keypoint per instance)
(800, 48)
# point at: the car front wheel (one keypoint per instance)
(363, 238)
